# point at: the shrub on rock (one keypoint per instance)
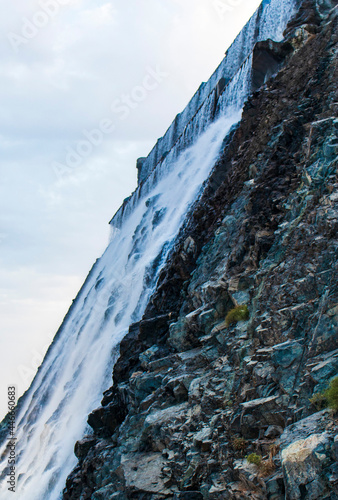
(327, 398)
(254, 459)
(239, 313)
(331, 394)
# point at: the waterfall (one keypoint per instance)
(269, 21)
(79, 363)
(78, 366)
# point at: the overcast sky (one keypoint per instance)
(115, 71)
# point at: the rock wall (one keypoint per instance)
(193, 394)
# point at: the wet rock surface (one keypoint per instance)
(194, 399)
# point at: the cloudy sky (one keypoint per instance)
(86, 87)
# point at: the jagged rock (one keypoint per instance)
(146, 356)
(202, 439)
(268, 57)
(316, 423)
(273, 431)
(144, 474)
(182, 336)
(82, 447)
(141, 336)
(105, 419)
(260, 413)
(307, 454)
(248, 475)
(188, 495)
(159, 425)
(285, 354)
(275, 487)
(336, 447)
(179, 385)
(303, 462)
(324, 371)
(143, 385)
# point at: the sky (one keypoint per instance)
(86, 87)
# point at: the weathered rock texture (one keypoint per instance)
(192, 397)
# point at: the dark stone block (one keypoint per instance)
(82, 447)
(268, 57)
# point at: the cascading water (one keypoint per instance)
(78, 366)
(79, 363)
(269, 21)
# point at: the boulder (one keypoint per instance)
(316, 423)
(285, 354)
(148, 355)
(159, 425)
(144, 384)
(247, 474)
(307, 454)
(202, 438)
(143, 473)
(141, 336)
(324, 371)
(275, 487)
(105, 419)
(258, 414)
(273, 431)
(303, 462)
(82, 447)
(182, 334)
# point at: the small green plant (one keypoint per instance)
(327, 398)
(331, 394)
(319, 401)
(254, 459)
(239, 444)
(239, 313)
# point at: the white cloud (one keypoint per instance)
(104, 15)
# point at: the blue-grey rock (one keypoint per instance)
(285, 354)
(324, 371)
(303, 462)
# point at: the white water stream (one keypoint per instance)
(79, 364)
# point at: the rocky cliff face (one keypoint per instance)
(193, 394)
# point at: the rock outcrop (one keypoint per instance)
(204, 409)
